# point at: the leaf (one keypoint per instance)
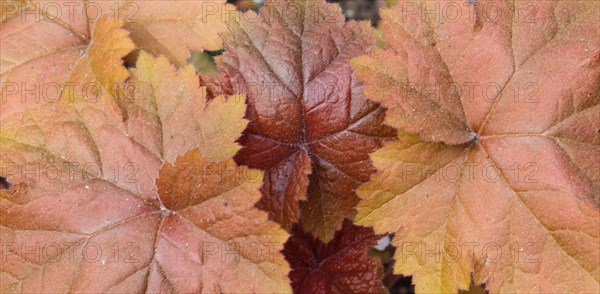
(172, 29)
(496, 170)
(175, 29)
(309, 122)
(340, 266)
(209, 125)
(43, 59)
(143, 203)
(43, 42)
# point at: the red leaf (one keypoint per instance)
(340, 266)
(307, 112)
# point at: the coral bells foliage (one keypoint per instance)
(44, 43)
(340, 266)
(503, 156)
(472, 134)
(134, 198)
(311, 129)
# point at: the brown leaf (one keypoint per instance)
(304, 105)
(340, 266)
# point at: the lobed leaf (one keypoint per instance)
(126, 201)
(44, 61)
(340, 266)
(174, 29)
(496, 171)
(47, 46)
(310, 127)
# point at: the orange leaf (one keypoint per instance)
(57, 50)
(174, 28)
(45, 61)
(497, 167)
(150, 202)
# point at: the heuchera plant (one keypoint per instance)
(509, 164)
(467, 131)
(311, 129)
